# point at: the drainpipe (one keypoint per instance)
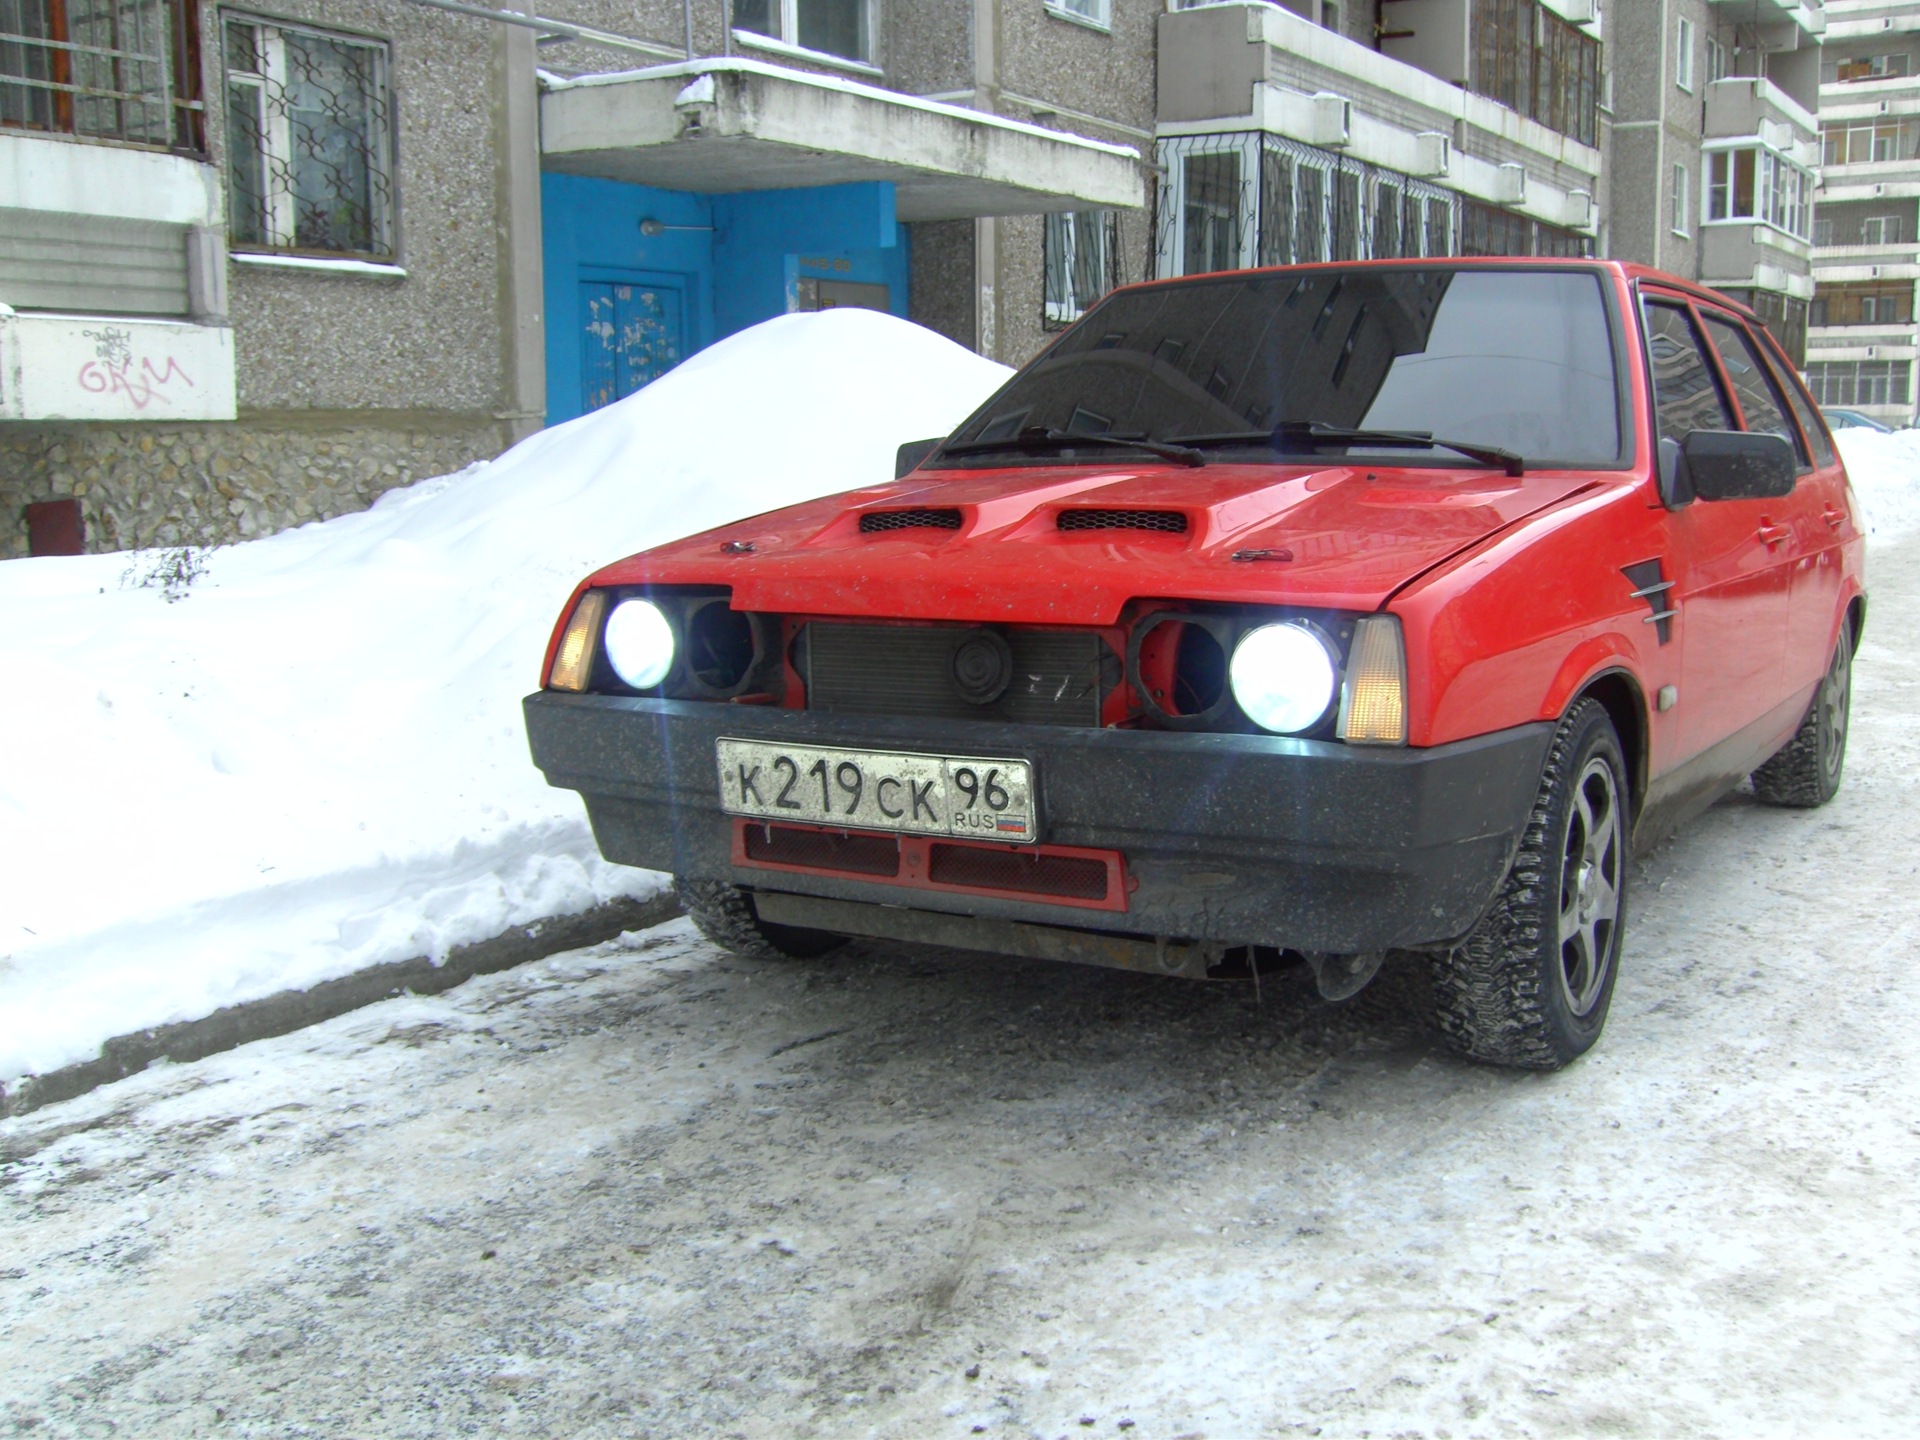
(687, 8)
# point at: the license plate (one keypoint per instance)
(981, 799)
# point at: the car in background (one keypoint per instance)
(1842, 419)
(1288, 616)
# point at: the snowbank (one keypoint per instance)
(315, 761)
(1885, 470)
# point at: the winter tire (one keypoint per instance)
(1530, 985)
(1807, 772)
(725, 915)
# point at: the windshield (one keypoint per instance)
(1521, 360)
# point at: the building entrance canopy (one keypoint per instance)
(723, 126)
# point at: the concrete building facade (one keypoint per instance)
(1866, 260)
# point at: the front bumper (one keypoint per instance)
(1234, 839)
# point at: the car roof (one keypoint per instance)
(1628, 270)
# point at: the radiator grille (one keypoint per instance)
(1071, 877)
(908, 670)
(876, 522)
(822, 850)
(1165, 522)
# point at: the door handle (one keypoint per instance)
(1834, 518)
(1772, 534)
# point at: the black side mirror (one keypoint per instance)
(1738, 465)
(908, 457)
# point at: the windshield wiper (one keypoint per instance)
(1314, 435)
(1040, 437)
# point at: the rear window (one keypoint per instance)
(1521, 359)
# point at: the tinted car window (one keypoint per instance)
(1753, 383)
(1519, 359)
(1686, 392)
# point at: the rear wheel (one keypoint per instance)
(725, 915)
(1530, 985)
(1807, 772)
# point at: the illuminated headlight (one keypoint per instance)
(1283, 677)
(639, 643)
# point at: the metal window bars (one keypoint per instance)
(119, 70)
(1250, 198)
(1080, 262)
(309, 140)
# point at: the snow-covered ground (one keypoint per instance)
(314, 760)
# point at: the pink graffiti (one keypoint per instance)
(104, 377)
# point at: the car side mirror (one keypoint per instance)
(1738, 465)
(908, 457)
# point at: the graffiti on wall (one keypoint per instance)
(112, 372)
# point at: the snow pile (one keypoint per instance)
(315, 761)
(1885, 470)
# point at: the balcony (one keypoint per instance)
(1740, 106)
(1257, 67)
(1868, 20)
(114, 70)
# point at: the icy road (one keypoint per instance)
(649, 1190)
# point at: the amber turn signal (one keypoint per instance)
(1373, 706)
(573, 661)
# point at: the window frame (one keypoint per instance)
(1069, 10)
(1682, 199)
(1683, 57)
(280, 209)
(1778, 192)
(788, 23)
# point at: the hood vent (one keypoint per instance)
(876, 522)
(1164, 522)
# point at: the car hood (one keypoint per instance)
(1340, 537)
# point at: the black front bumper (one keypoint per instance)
(1237, 839)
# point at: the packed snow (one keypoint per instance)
(310, 758)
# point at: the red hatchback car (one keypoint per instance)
(1302, 614)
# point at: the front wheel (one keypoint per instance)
(1530, 985)
(725, 915)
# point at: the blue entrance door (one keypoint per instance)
(633, 333)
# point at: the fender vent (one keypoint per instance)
(1651, 585)
(1164, 522)
(876, 522)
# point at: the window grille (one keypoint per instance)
(1530, 60)
(1859, 382)
(309, 140)
(121, 70)
(1081, 259)
(1247, 198)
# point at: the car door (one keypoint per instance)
(1826, 523)
(1731, 590)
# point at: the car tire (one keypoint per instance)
(725, 915)
(1807, 772)
(1530, 985)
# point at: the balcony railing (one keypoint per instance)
(121, 70)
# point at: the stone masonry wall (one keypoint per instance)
(143, 486)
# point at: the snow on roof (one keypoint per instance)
(315, 761)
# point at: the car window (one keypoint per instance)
(1686, 392)
(1522, 359)
(1803, 409)
(1760, 402)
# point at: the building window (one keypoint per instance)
(1867, 303)
(1680, 199)
(125, 70)
(1530, 60)
(1211, 213)
(1080, 255)
(1093, 12)
(1329, 15)
(1752, 184)
(309, 140)
(831, 27)
(1870, 67)
(1716, 59)
(1683, 57)
(1864, 142)
(1859, 382)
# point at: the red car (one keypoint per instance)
(1279, 615)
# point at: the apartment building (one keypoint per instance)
(1866, 225)
(261, 262)
(1714, 153)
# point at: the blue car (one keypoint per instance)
(1854, 420)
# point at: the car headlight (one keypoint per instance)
(639, 643)
(1283, 676)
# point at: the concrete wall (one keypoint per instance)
(1655, 126)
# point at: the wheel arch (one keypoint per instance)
(1855, 618)
(1619, 694)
